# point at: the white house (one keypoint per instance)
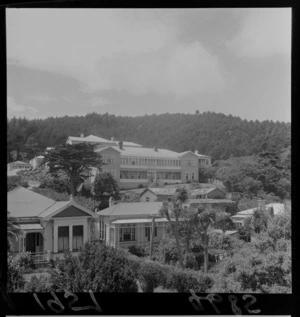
(126, 224)
(50, 227)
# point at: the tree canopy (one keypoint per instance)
(76, 161)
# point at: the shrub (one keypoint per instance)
(38, 284)
(15, 279)
(151, 275)
(98, 268)
(136, 250)
(25, 260)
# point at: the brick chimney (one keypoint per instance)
(112, 138)
(82, 135)
(196, 152)
(155, 148)
(121, 145)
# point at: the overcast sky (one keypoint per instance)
(144, 61)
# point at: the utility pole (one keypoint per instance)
(152, 234)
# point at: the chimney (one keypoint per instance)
(71, 197)
(112, 138)
(155, 148)
(111, 201)
(196, 152)
(121, 145)
(82, 135)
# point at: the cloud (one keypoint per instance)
(265, 32)
(39, 98)
(97, 102)
(19, 110)
(112, 50)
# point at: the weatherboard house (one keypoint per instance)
(50, 228)
(125, 224)
(133, 165)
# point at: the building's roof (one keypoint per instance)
(22, 202)
(186, 152)
(202, 155)
(31, 226)
(137, 208)
(211, 201)
(25, 203)
(40, 157)
(138, 191)
(126, 143)
(277, 207)
(135, 220)
(203, 191)
(19, 162)
(147, 152)
(107, 147)
(227, 232)
(94, 138)
(163, 191)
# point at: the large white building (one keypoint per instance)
(132, 165)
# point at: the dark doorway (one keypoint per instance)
(34, 242)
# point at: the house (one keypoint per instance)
(157, 194)
(273, 208)
(226, 204)
(18, 165)
(50, 227)
(126, 224)
(133, 165)
(37, 161)
(209, 192)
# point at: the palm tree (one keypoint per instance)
(202, 220)
(171, 208)
(13, 231)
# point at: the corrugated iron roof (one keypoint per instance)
(163, 191)
(31, 226)
(135, 220)
(136, 208)
(22, 202)
(147, 152)
(203, 191)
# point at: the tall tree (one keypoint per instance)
(76, 161)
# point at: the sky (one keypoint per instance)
(132, 62)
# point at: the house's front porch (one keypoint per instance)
(33, 240)
(127, 232)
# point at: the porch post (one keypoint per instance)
(115, 236)
(70, 238)
(44, 241)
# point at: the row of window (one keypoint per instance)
(126, 232)
(191, 176)
(108, 159)
(63, 238)
(151, 175)
(144, 161)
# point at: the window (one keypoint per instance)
(63, 238)
(193, 176)
(127, 233)
(109, 159)
(101, 233)
(186, 175)
(77, 237)
(147, 199)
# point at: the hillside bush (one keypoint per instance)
(98, 268)
(15, 279)
(25, 260)
(38, 285)
(137, 250)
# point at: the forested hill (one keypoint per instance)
(214, 134)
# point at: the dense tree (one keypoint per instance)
(13, 231)
(15, 181)
(76, 161)
(213, 134)
(104, 187)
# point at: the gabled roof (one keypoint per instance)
(107, 147)
(25, 203)
(22, 202)
(163, 191)
(137, 191)
(132, 209)
(94, 138)
(204, 191)
(186, 152)
(277, 207)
